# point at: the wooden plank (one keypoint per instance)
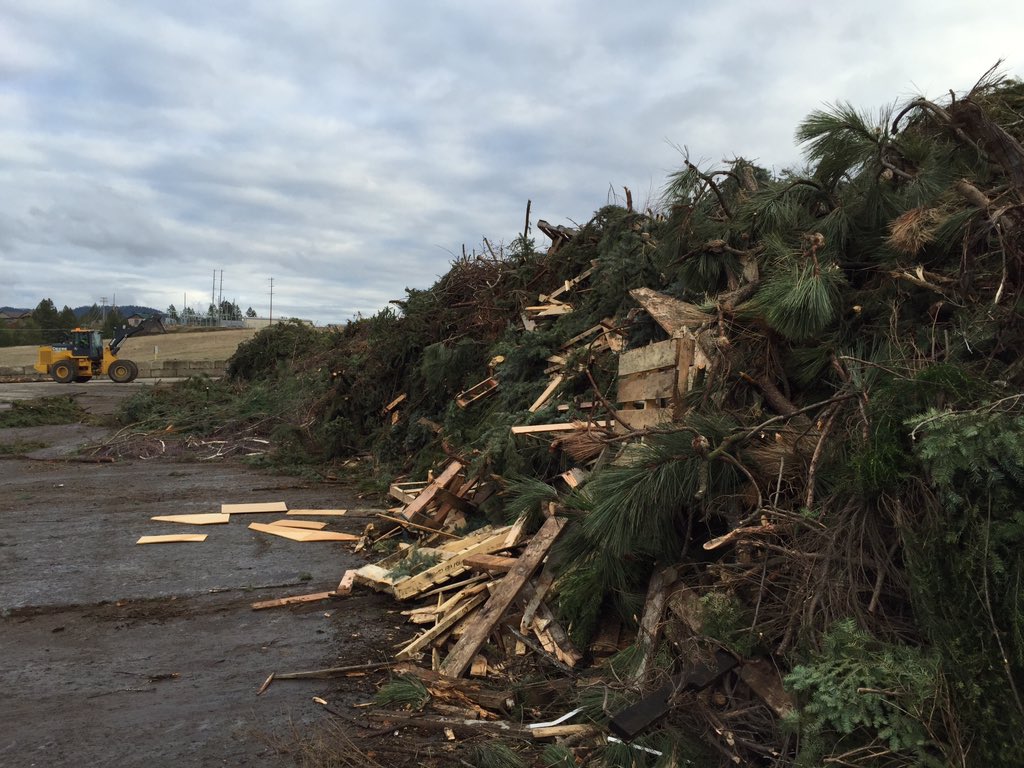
(347, 581)
(559, 731)
(453, 566)
(171, 538)
(318, 512)
(393, 404)
(553, 637)
(764, 680)
(423, 499)
(574, 477)
(299, 534)
(312, 525)
(661, 354)
(532, 429)
(489, 563)
(556, 382)
(537, 591)
(581, 336)
(248, 509)
(293, 600)
(644, 418)
(406, 492)
(450, 620)
(650, 623)
(502, 597)
(476, 392)
(205, 518)
(646, 385)
(670, 313)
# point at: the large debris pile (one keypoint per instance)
(774, 430)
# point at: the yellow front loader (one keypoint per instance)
(84, 355)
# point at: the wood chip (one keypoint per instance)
(205, 518)
(248, 509)
(171, 538)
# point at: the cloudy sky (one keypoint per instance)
(348, 150)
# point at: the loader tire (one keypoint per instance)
(63, 372)
(135, 370)
(82, 379)
(120, 371)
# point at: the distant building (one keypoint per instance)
(10, 315)
(134, 320)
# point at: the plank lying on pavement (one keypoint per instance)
(310, 524)
(293, 600)
(300, 534)
(248, 509)
(171, 538)
(203, 518)
(317, 512)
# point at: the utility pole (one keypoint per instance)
(271, 301)
(103, 311)
(220, 294)
(213, 296)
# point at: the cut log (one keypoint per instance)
(504, 594)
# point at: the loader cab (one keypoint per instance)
(86, 343)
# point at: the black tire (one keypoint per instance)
(82, 379)
(135, 370)
(63, 371)
(120, 371)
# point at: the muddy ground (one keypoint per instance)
(124, 655)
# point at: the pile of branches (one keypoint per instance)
(841, 489)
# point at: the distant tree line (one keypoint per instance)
(46, 325)
(226, 310)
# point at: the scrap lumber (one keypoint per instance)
(477, 392)
(553, 637)
(308, 524)
(423, 499)
(538, 590)
(574, 477)
(393, 404)
(765, 681)
(345, 585)
(293, 600)
(670, 313)
(654, 608)
(453, 566)
(318, 512)
(556, 382)
(473, 691)
(450, 619)
(568, 285)
(504, 594)
(562, 731)
(248, 509)
(571, 426)
(171, 538)
(301, 534)
(406, 492)
(490, 563)
(204, 518)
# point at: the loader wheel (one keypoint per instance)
(135, 370)
(62, 372)
(82, 379)
(120, 372)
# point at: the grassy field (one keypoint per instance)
(196, 345)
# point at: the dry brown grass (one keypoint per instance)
(180, 345)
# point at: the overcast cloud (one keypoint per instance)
(348, 150)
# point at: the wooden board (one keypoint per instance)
(249, 509)
(544, 396)
(670, 313)
(423, 499)
(530, 429)
(644, 418)
(490, 563)
(646, 385)
(452, 618)
(299, 534)
(453, 566)
(204, 518)
(345, 585)
(171, 538)
(504, 594)
(293, 600)
(318, 512)
(312, 525)
(661, 354)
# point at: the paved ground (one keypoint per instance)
(125, 655)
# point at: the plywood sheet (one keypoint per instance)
(204, 518)
(248, 509)
(313, 525)
(171, 538)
